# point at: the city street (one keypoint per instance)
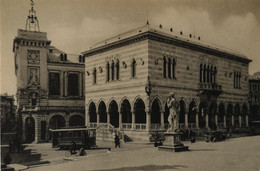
(232, 154)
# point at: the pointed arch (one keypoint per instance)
(182, 111)
(156, 111)
(139, 109)
(202, 114)
(221, 113)
(229, 114)
(125, 109)
(159, 102)
(92, 112)
(113, 113)
(29, 129)
(102, 110)
(236, 115)
(192, 112)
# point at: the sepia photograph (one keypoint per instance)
(130, 85)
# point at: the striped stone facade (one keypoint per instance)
(210, 84)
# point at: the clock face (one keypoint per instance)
(33, 57)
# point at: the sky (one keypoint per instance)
(74, 25)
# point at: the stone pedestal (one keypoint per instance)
(173, 142)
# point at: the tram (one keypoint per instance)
(65, 137)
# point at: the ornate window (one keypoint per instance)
(54, 83)
(133, 68)
(237, 76)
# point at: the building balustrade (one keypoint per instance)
(127, 126)
(210, 86)
(52, 108)
(155, 126)
(140, 126)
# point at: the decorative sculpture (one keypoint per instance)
(173, 118)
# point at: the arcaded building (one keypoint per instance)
(129, 76)
(254, 96)
(50, 86)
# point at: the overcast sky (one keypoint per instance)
(74, 25)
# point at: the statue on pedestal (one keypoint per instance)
(173, 118)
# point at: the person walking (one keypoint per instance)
(117, 141)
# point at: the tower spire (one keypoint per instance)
(32, 23)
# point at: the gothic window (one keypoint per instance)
(208, 74)
(215, 74)
(169, 68)
(204, 74)
(237, 76)
(117, 69)
(73, 84)
(108, 71)
(94, 76)
(201, 72)
(211, 74)
(133, 68)
(173, 68)
(164, 67)
(54, 84)
(112, 71)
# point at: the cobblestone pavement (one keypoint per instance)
(233, 154)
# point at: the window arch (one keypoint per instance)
(133, 68)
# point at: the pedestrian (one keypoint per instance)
(117, 141)
(192, 137)
(7, 159)
(82, 152)
(73, 148)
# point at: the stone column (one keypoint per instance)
(162, 120)
(225, 121)
(197, 120)
(108, 117)
(120, 120)
(172, 76)
(98, 116)
(232, 120)
(87, 118)
(148, 120)
(166, 69)
(216, 120)
(133, 120)
(247, 125)
(24, 131)
(240, 121)
(207, 120)
(186, 120)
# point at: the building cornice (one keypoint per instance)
(168, 40)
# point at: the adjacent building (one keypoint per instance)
(254, 96)
(129, 77)
(8, 114)
(50, 86)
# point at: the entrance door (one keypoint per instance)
(29, 129)
(114, 115)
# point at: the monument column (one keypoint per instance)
(232, 120)
(108, 117)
